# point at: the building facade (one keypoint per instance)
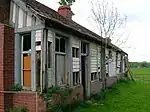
(50, 49)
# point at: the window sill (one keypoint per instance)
(61, 53)
(95, 80)
(78, 85)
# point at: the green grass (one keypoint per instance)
(125, 96)
(141, 71)
(142, 74)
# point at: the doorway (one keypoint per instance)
(60, 69)
(83, 68)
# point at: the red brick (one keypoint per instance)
(5, 11)
(6, 63)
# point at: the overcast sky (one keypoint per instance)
(138, 12)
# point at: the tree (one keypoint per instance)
(144, 64)
(110, 24)
(66, 2)
(109, 21)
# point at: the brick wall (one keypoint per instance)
(6, 62)
(96, 86)
(4, 11)
(111, 81)
(27, 100)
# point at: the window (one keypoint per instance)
(60, 45)
(94, 76)
(38, 43)
(26, 60)
(110, 54)
(27, 42)
(99, 75)
(83, 47)
(75, 52)
(57, 45)
(76, 78)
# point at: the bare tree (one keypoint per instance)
(111, 25)
(109, 21)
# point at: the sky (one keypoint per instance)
(137, 28)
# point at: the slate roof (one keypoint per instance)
(52, 15)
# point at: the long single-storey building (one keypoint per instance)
(41, 48)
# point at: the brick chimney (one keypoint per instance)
(65, 11)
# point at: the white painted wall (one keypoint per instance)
(111, 67)
(20, 18)
(94, 57)
(118, 63)
(76, 65)
(14, 13)
(51, 76)
(75, 43)
(28, 18)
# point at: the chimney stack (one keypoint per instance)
(65, 11)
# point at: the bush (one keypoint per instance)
(18, 109)
(57, 98)
(99, 96)
(16, 87)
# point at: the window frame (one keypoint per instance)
(76, 78)
(59, 45)
(75, 52)
(94, 76)
(82, 47)
(22, 54)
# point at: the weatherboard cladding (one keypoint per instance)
(52, 15)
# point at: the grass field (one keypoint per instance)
(126, 96)
(142, 74)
